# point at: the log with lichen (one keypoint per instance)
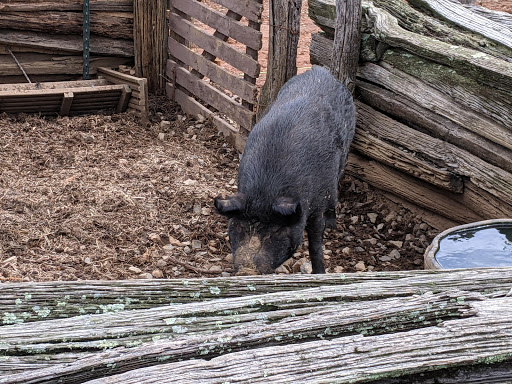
(435, 104)
(133, 331)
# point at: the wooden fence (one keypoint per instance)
(208, 76)
(434, 104)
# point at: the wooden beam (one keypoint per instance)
(67, 100)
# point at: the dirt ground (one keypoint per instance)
(102, 197)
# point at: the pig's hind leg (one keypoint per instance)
(315, 229)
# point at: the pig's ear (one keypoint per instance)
(287, 207)
(230, 205)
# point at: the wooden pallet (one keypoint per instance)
(112, 91)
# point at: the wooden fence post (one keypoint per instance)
(347, 40)
(284, 35)
(150, 41)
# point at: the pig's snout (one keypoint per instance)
(250, 260)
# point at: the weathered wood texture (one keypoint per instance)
(344, 328)
(150, 35)
(435, 105)
(347, 37)
(284, 32)
(197, 78)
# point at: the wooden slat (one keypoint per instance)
(67, 100)
(220, 49)
(247, 8)
(193, 107)
(124, 99)
(53, 85)
(65, 5)
(65, 43)
(212, 96)
(226, 80)
(96, 90)
(121, 78)
(221, 23)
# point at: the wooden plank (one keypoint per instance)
(216, 47)
(67, 100)
(223, 78)
(390, 142)
(121, 78)
(221, 23)
(194, 108)
(77, 91)
(41, 64)
(117, 25)
(65, 5)
(53, 85)
(124, 99)
(65, 43)
(457, 14)
(212, 96)
(250, 9)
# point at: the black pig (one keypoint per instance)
(289, 172)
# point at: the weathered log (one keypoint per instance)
(284, 32)
(118, 25)
(429, 122)
(405, 312)
(503, 18)
(458, 14)
(50, 43)
(347, 37)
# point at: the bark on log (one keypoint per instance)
(284, 32)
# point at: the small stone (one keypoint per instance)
(197, 209)
(225, 274)
(359, 249)
(200, 118)
(135, 269)
(345, 251)
(354, 219)
(394, 254)
(161, 263)
(161, 136)
(391, 216)
(189, 182)
(306, 268)
(155, 238)
(371, 268)
(282, 270)
(298, 264)
(380, 226)
(165, 124)
(145, 275)
(409, 237)
(174, 241)
(384, 258)
(168, 247)
(372, 217)
(423, 226)
(215, 269)
(418, 262)
(339, 269)
(187, 249)
(196, 244)
(360, 267)
(206, 211)
(398, 244)
(371, 241)
(229, 258)
(87, 260)
(157, 274)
